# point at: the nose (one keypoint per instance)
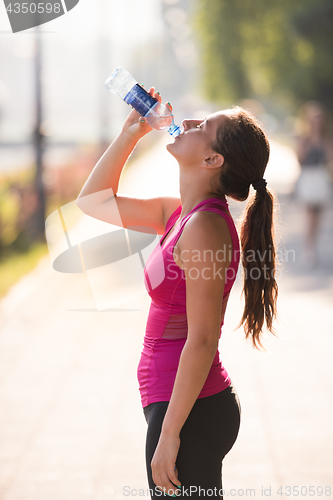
(185, 124)
(188, 124)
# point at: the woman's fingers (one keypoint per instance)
(157, 96)
(174, 478)
(172, 474)
(168, 488)
(163, 464)
(167, 482)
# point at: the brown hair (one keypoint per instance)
(245, 148)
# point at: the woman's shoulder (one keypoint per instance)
(204, 236)
(206, 228)
(220, 210)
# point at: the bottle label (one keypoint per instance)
(140, 100)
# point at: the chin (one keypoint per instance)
(169, 147)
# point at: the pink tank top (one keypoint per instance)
(166, 329)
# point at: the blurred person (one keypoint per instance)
(189, 402)
(314, 149)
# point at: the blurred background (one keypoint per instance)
(56, 120)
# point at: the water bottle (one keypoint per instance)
(159, 117)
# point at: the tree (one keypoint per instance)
(255, 48)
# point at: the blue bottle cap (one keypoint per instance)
(174, 130)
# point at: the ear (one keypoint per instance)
(215, 160)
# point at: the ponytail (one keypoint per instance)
(245, 149)
(259, 265)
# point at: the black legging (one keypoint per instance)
(206, 437)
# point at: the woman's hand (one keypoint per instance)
(136, 125)
(164, 462)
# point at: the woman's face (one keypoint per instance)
(194, 144)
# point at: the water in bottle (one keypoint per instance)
(122, 84)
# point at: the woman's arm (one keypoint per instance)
(106, 173)
(204, 294)
(98, 197)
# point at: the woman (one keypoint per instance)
(191, 407)
(314, 148)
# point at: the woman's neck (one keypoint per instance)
(193, 191)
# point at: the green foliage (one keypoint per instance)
(14, 215)
(17, 264)
(253, 48)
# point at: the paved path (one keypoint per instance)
(71, 424)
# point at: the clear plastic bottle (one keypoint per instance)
(122, 84)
